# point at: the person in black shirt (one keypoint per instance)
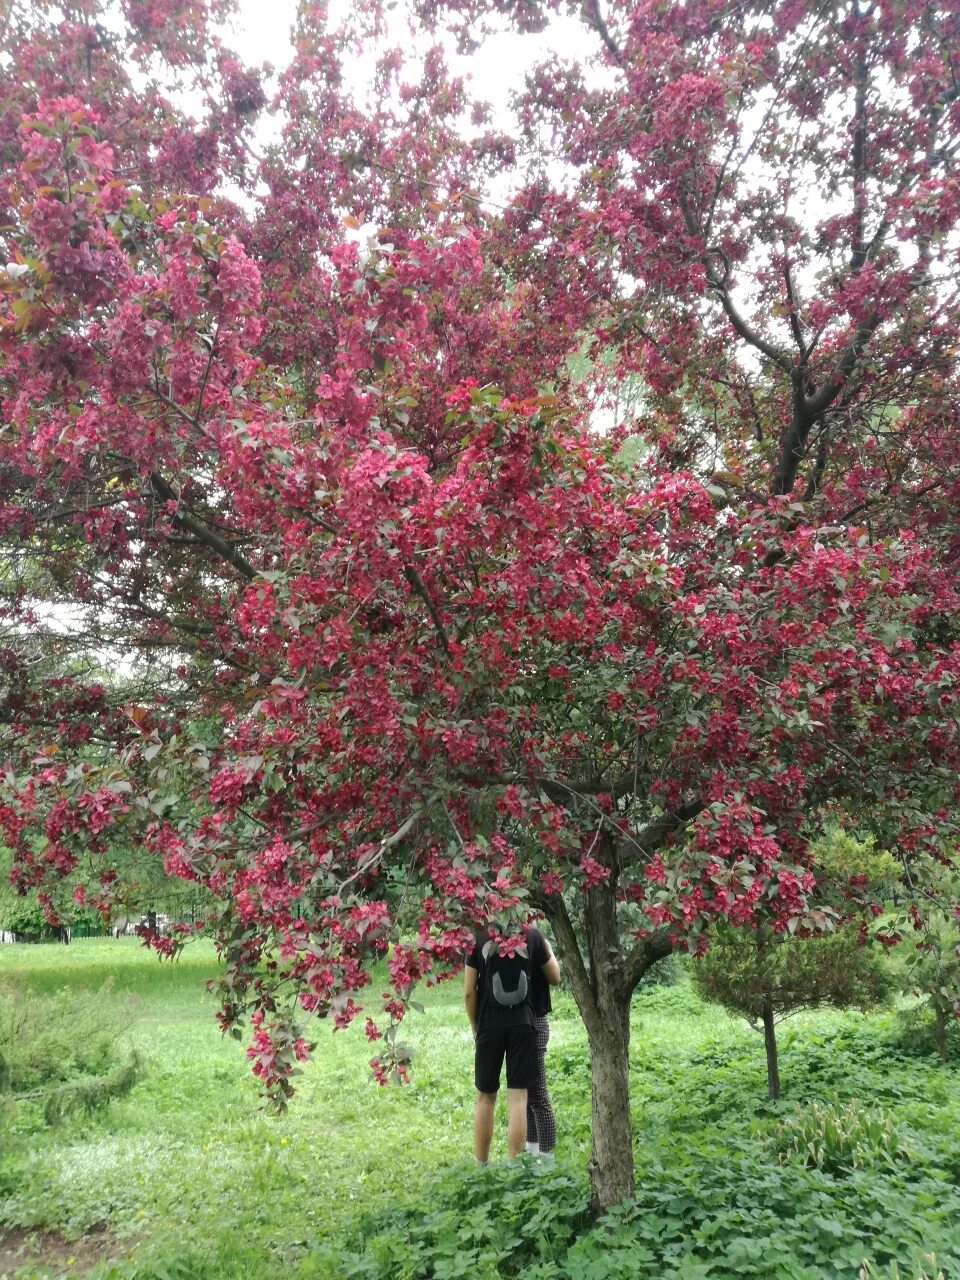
(506, 1032)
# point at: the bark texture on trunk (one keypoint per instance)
(770, 1044)
(602, 989)
(940, 1032)
(611, 1158)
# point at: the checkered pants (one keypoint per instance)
(541, 1125)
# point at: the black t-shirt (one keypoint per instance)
(539, 954)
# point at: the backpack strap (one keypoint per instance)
(487, 953)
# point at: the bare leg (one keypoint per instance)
(483, 1125)
(516, 1121)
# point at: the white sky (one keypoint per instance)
(261, 33)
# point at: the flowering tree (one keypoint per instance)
(401, 637)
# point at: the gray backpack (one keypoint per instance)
(506, 977)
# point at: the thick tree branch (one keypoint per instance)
(555, 788)
(203, 534)
(595, 19)
(820, 401)
(416, 582)
(808, 409)
(176, 623)
(643, 956)
(719, 285)
(554, 908)
(858, 252)
(816, 474)
(793, 442)
(385, 845)
(794, 310)
(655, 834)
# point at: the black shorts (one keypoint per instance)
(518, 1044)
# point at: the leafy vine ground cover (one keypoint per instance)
(186, 1179)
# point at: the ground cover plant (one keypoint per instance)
(188, 1178)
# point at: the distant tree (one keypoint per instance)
(768, 973)
(146, 890)
(933, 969)
(767, 976)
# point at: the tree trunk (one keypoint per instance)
(611, 1159)
(602, 991)
(940, 1032)
(770, 1044)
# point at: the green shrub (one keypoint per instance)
(483, 1223)
(929, 1260)
(89, 1093)
(25, 918)
(679, 999)
(722, 1211)
(746, 967)
(856, 1059)
(838, 1136)
(48, 1039)
(62, 1051)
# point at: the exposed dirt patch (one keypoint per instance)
(50, 1255)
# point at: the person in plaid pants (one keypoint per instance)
(541, 1122)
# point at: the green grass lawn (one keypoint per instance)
(186, 1178)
